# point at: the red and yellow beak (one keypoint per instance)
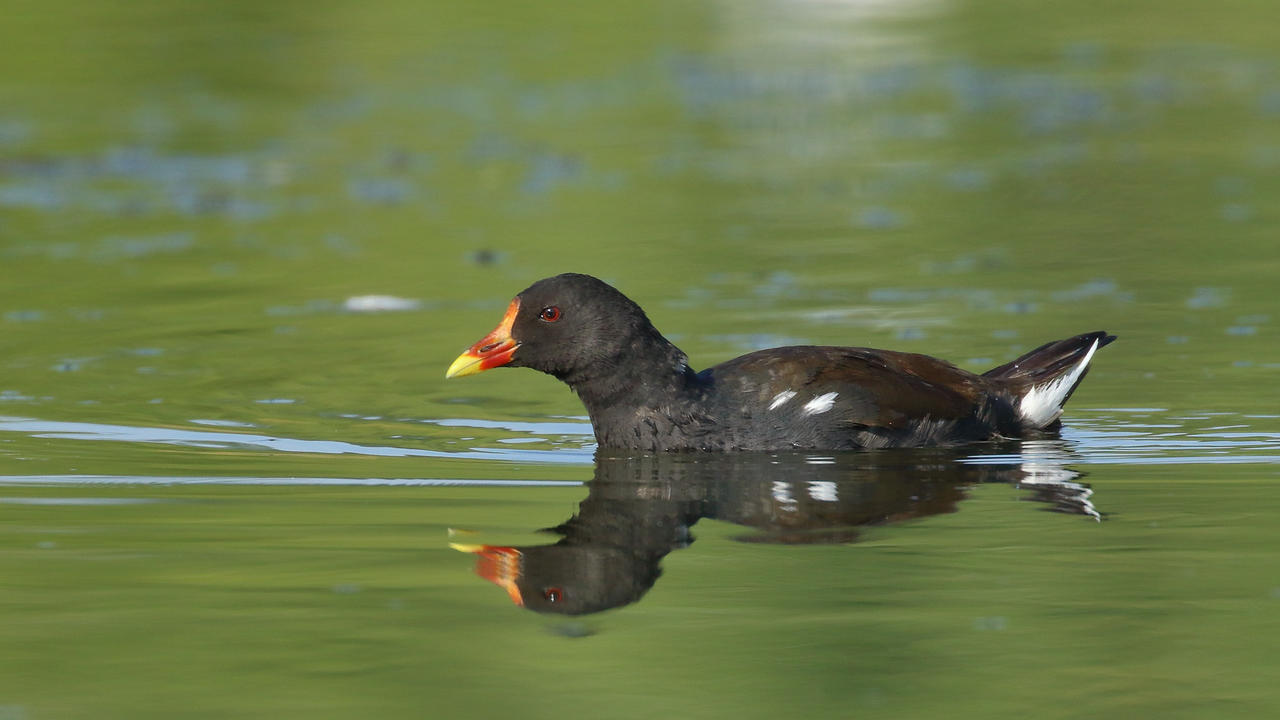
(493, 350)
(498, 565)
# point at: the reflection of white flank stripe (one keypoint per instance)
(781, 398)
(1043, 403)
(781, 492)
(823, 491)
(820, 404)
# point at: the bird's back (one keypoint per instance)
(846, 397)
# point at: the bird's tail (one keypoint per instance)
(1041, 381)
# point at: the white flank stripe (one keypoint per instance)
(820, 404)
(781, 399)
(1043, 403)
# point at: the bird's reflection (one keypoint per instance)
(641, 508)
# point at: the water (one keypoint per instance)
(240, 244)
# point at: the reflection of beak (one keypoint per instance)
(493, 350)
(498, 565)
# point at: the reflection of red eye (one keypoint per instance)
(553, 595)
(549, 314)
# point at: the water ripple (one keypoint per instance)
(206, 439)
(12, 480)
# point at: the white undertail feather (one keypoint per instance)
(1043, 403)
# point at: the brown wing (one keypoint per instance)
(873, 388)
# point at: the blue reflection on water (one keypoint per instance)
(206, 439)
(1144, 436)
(267, 481)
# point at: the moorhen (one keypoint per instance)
(641, 393)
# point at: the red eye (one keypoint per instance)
(553, 595)
(549, 314)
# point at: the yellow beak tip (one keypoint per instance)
(463, 366)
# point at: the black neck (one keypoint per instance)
(650, 378)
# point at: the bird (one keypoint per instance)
(641, 394)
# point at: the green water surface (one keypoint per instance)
(227, 488)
